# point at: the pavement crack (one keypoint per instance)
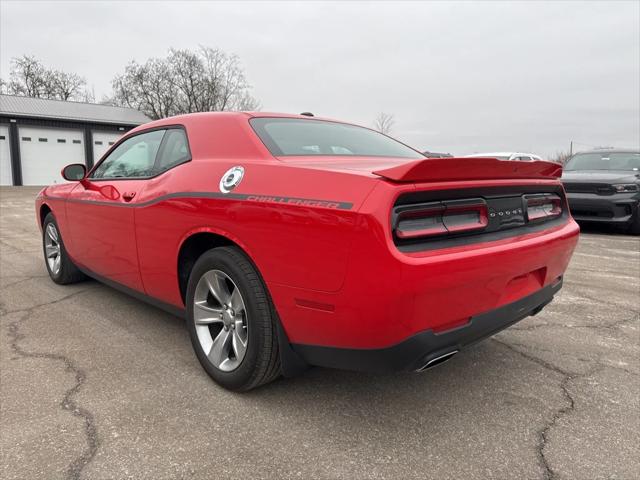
(599, 300)
(74, 470)
(23, 280)
(14, 249)
(543, 433)
(44, 304)
(609, 326)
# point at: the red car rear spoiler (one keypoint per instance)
(469, 168)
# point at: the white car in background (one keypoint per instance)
(518, 156)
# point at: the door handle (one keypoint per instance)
(128, 196)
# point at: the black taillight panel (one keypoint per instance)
(440, 218)
(425, 219)
(428, 220)
(542, 206)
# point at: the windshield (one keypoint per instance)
(292, 136)
(629, 161)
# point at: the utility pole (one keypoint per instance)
(571, 149)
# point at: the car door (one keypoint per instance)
(155, 233)
(100, 210)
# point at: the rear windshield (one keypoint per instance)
(604, 161)
(292, 136)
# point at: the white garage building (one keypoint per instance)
(38, 137)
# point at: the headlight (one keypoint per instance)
(625, 187)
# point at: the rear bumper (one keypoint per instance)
(589, 207)
(416, 351)
(389, 296)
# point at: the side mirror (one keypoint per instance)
(74, 172)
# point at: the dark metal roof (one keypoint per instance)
(17, 106)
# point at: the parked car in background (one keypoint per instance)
(604, 186)
(517, 156)
(436, 155)
(288, 241)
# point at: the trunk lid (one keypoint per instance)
(346, 163)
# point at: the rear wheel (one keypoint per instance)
(60, 267)
(231, 321)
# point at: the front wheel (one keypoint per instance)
(230, 320)
(60, 267)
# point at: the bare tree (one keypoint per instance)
(147, 87)
(28, 77)
(248, 103)
(68, 86)
(89, 95)
(384, 123)
(184, 82)
(560, 157)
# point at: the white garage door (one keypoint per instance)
(45, 151)
(102, 141)
(5, 157)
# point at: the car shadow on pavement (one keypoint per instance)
(486, 392)
(487, 363)
(480, 379)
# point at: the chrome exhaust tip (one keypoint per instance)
(437, 360)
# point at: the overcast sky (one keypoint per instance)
(458, 77)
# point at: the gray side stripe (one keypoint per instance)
(271, 199)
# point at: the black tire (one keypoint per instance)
(68, 272)
(261, 363)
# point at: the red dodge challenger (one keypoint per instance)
(288, 241)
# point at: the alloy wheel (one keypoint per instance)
(52, 248)
(220, 318)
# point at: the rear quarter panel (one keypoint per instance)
(294, 244)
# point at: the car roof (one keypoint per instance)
(222, 134)
(203, 115)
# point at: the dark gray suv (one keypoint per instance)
(604, 186)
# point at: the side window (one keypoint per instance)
(133, 158)
(175, 150)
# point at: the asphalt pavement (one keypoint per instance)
(95, 384)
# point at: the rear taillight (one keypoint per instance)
(440, 218)
(543, 206)
(420, 221)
